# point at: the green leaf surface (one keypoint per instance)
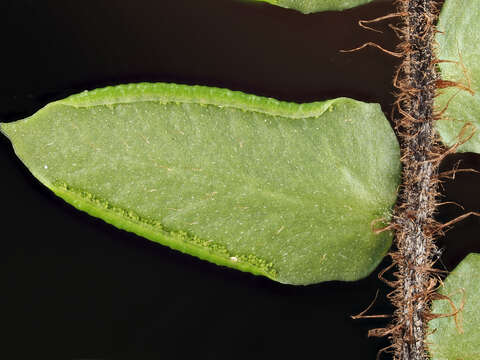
(461, 340)
(280, 189)
(311, 6)
(459, 22)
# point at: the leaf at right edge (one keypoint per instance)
(459, 40)
(446, 341)
(232, 178)
(312, 6)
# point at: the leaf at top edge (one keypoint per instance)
(452, 340)
(285, 190)
(311, 6)
(458, 41)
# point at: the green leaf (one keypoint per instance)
(279, 189)
(311, 6)
(459, 42)
(448, 342)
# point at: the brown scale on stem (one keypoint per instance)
(415, 227)
(415, 278)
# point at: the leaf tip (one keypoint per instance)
(3, 129)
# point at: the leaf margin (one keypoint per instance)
(319, 5)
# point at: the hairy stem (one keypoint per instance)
(414, 223)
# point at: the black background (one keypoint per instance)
(73, 287)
